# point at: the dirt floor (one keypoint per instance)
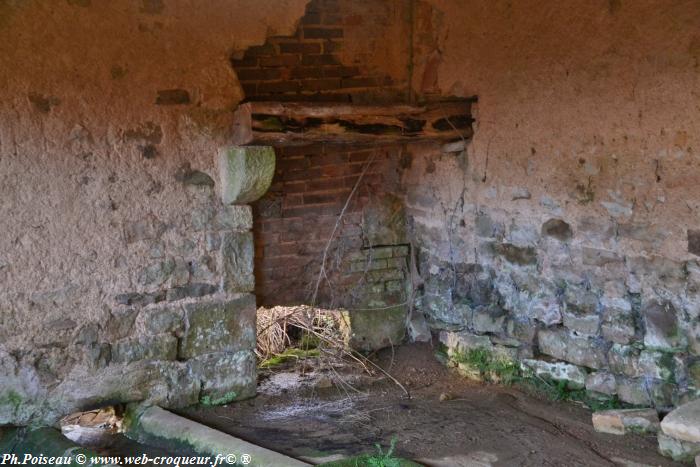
(446, 421)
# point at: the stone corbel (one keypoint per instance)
(245, 173)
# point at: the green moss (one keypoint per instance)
(380, 459)
(288, 355)
(500, 369)
(225, 399)
(492, 368)
(11, 398)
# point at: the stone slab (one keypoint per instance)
(684, 422)
(625, 421)
(159, 427)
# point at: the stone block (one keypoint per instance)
(417, 327)
(225, 377)
(565, 346)
(245, 173)
(694, 242)
(236, 218)
(196, 289)
(237, 253)
(462, 342)
(618, 323)
(601, 382)
(155, 347)
(683, 422)
(558, 229)
(374, 329)
(645, 391)
(678, 450)
(625, 421)
(597, 257)
(218, 325)
(521, 329)
(580, 312)
(521, 255)
(160, 319)
(545, 310)
(661, 325)
(489, 319)
(156, 274)
(573, 376)
(630, 361)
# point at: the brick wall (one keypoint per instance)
(308, 65)
(295, 218)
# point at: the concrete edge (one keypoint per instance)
(154, 425)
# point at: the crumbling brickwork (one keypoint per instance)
(310, 64)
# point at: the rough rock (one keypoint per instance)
(601, 382)
(462, 342)
(661, 325)
(573, 376)
(237, 258)
(225, 377)
(579, 350)
(676, 449)
(374, 329)
(624, 421)
(218, 325)
(245, 173)
(683, 423)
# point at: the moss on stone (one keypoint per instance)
(225, 399)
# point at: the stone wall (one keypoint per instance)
(567, 229)
(123, 276)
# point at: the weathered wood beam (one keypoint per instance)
(285, 123)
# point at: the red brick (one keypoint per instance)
(244, 62)
(309, 174)
(341, 170)
(257, 74)
(330, 47)
(279, 60)
(307, 72)
(330, 158)
(329, 197)
(322, 33)
(321, 59)
(361, 82)
(260, 50)
(300, 47)
(323, 84)
(293, 200)
(272, 87)
(340, 71)
(296, 163)
(310, 210)
(325, 184)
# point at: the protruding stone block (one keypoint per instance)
(563, 345)
(245, 173)
(624, 421)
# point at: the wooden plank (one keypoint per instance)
(281, 123)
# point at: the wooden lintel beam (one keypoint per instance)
(280, 123)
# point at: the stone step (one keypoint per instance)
(625, 421)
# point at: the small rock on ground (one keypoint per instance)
(620, 422)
